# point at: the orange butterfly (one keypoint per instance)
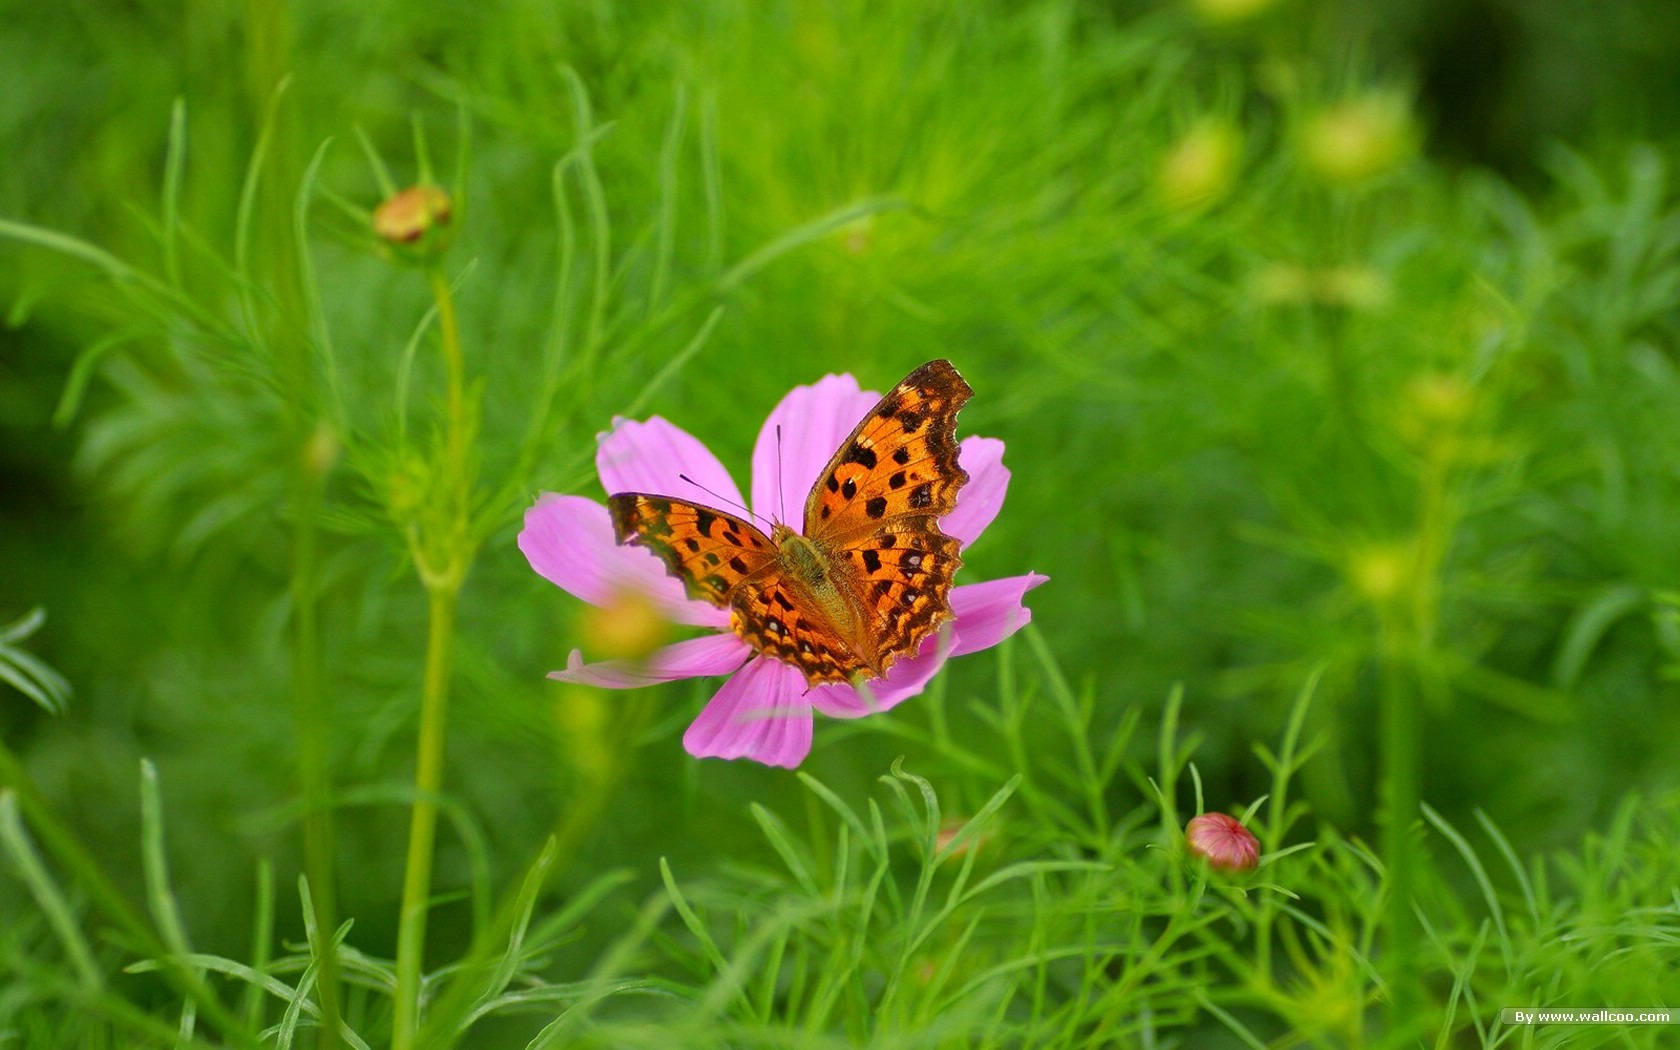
(868, 577)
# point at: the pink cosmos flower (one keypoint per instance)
(764, 711)
(1224, 841)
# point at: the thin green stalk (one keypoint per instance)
(455, 439)
(422, 827)
(311, 719)
(1408, 634)
(1278, 822)
(442, 553)
(1400, 800)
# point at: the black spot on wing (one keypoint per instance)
(876, 507)
(901, 455)
(860, 455)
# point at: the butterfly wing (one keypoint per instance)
(779, 618)
(708, 550)
(876, 507)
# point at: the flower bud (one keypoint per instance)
(1200, 166)
(322, 450)
(1440, 399)
(1432, 414)
(1354, 140)
(1356, 287)
(1223, 842)
(416, 220)
(1378, 571)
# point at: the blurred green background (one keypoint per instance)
(1320, 335)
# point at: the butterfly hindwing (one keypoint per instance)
(708, 550)
(773, 616)
(904, 578)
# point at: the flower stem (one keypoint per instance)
(1399, 718)
(443, 550)
(422, 827)
(1407, 637)
(311, 721)
(457, 484)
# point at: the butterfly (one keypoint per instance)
(868, 576)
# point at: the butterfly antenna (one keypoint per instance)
(781, 493)
(720, 497)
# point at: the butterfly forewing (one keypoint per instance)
(901, 460)
(876, 511)
(708, 550)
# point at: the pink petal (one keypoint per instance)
(649, 457)
(569, 541)
(981, 499)
(813, 420)
(904, 679)
(761, 713)
(989, 612)
(712, 654)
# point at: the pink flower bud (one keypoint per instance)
(1223, 842)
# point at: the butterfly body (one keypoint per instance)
(824, 580)
(868, 577)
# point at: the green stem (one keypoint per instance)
(1408, 635)
(422, 827)
(311, 719)
(442, 550)
(456, 481)
(1400, 802)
